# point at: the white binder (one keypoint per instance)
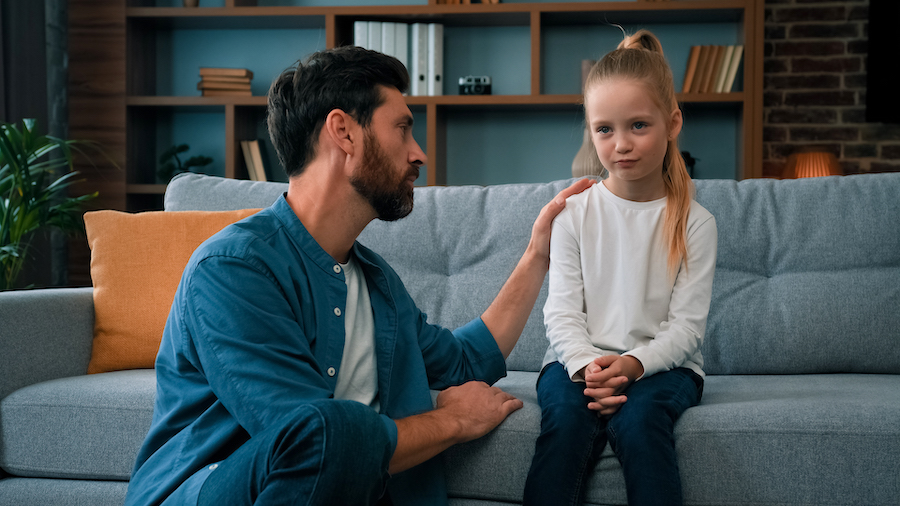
(401, 43)
(388, 41)
(374, 36)
(435, 59)
(419, 54)
(361, 33)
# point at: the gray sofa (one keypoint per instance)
(801, 404)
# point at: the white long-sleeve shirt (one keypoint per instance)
(610, 291)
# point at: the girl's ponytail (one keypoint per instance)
(679, 193)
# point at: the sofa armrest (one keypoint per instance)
(45, 334)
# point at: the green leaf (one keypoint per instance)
(33, 191)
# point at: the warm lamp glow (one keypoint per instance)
(812, 164)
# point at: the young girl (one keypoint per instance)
(631, 270)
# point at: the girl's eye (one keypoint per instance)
(639, 125)
(604, 130)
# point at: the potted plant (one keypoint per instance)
(33, 192)
(170, 164)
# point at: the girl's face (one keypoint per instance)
(631, 135)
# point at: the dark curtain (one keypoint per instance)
(24, 61)
(33, 84)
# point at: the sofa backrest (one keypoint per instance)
(807, 277)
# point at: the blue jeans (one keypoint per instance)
(329, 452)
(640, 433)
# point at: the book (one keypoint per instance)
(361, 33)
(227, 93)
(212, 85)
(717, 68)
(220, 71)
(733, 68)
(702, 62)
(225, 79)
(713, 56)
(691, 69)
(723, 69)
(258, 167)
(419, 56)
(435, 59)
(374, 36)
(248, 160)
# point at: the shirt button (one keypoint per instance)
(331, 371)
(337, 269)
(337, 311)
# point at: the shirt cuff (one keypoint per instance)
(488, 359)
(391, 427)
(649, 360)
(578, 363)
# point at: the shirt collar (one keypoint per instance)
(303, 240)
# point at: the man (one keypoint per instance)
(294, 367)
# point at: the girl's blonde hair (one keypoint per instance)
(640, 57)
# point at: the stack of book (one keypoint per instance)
(712, 69)
(218, 81)
(419, 46)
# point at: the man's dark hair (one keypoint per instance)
(344, 78)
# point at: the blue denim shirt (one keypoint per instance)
(255, 331)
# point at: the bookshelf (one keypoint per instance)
(532, 50)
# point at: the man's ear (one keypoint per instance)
(342, 130)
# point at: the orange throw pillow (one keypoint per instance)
(136, 265)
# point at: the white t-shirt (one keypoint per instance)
(358, 377)
(610, 291)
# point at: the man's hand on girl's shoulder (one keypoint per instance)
(540, 231)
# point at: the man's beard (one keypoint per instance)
(392, 199)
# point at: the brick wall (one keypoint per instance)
(815, 87)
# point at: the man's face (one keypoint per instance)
(387, 190)
(390, 163)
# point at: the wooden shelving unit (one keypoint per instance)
(142, 20)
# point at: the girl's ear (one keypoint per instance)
(675, 123)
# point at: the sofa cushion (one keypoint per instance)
(807, 275)
(136, 264)
(47, 492)
(830, 430)
(83, 427)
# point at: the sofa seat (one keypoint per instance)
(58, 492)
(732, 448)
(745, 428)
(84, 427)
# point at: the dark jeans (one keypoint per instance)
(329, 452)
(640, 433)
